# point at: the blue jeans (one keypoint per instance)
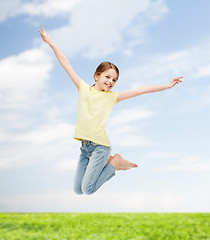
(91, 171)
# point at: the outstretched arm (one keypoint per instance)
(146, 89)
(61, 58)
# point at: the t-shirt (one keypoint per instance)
(94, 108)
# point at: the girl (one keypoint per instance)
(96, 166)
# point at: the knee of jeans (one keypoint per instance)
(88, 190)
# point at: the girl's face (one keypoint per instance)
(106, 80)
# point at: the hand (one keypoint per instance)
(174, 82)
(45, 36)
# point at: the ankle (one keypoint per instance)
(114, 161)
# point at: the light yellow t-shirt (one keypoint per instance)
(94, 109)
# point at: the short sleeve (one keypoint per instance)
(82, 85)
(115, 96)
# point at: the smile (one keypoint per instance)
(107, 85)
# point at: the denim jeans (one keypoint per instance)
(92, 170)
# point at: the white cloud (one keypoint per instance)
(23, 77)
(123, 126)
(182, 162)
(158, 155)
(191, 95)
(190, 159)
(45, 134)
(205, 99)
(52, 143)
(22, 142)
(8, 9)
(98, 28)
(128, 52)
(53, 113)
(129, 115)
(47, 8)
(202, 166)
(191, 63)
(131, 140)
(66, 201)
(11, 121)
(65, 165)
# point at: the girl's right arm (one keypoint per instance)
(61, 58)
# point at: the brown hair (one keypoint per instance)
(105, 66)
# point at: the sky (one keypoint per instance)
(166, 133)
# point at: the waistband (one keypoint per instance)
(90, 143)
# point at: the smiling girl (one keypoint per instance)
(96, 165)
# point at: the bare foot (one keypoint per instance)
(119, 168)
(120, 163)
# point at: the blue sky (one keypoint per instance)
(165, 133)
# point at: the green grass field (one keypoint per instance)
(61, 226)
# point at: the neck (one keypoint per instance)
(97, 88)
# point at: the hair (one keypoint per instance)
(105, 66)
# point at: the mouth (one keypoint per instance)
(108, 85)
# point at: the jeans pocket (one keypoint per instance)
(102, 150)
(82, 147)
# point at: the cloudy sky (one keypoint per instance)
(165, 133)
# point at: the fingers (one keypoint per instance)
(175, 81)
(178, 80)
(43, 31)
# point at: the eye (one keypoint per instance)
(114, 80)
(107, 76)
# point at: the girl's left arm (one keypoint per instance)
(147, 89)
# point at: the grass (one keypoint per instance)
(107, 226)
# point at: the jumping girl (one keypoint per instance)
(96, 165)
